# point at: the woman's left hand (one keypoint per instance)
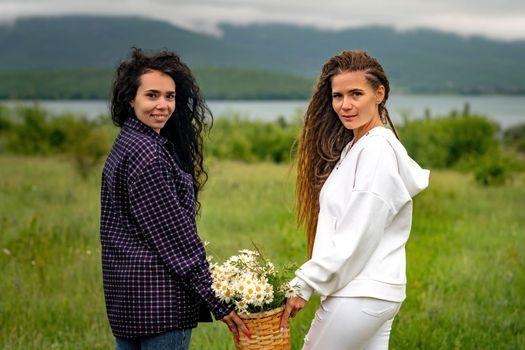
(293, 306)
(235, 323)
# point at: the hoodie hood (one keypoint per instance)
(414, 177)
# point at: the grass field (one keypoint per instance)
(466, 256)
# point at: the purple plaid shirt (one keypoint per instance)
(154, 265)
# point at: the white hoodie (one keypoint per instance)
(364, 222)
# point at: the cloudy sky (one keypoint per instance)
(502, 19)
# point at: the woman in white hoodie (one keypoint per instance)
(355, 183)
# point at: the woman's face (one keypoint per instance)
(354, 100)
(154, 102)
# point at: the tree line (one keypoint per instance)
(95, 84)
(461, 141)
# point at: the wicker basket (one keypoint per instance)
(265, 332)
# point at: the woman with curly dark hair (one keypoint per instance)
(157, 285)
(355, 183)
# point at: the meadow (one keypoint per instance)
(466, 255)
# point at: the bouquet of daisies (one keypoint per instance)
(251, 283)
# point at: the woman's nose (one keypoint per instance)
(162, 103)
(347, 104)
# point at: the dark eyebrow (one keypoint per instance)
(158, 92)
(350, 91)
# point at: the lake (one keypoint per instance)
(506, 110)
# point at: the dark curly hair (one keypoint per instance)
(188, 122)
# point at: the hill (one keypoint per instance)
(417, 61)
(95, 83)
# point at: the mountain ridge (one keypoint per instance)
(419, 60)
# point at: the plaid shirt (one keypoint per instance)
(153, 262)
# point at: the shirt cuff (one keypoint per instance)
(223, 311)
(302, 288)
(200, 280)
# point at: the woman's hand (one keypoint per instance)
(293, 306)
(234, 323)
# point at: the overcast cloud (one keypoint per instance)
(503, 19)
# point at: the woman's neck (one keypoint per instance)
(360, 132)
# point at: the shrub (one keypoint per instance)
(29, 132)
(443, 142)
(238, 138)
(5, 123)
(33, 131)
(492, 170)
(86, 145)
(514, 137)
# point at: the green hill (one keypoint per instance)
(418, 60)
(95, 83)
(84, 41)
(57, 51)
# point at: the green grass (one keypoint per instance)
(466, 256)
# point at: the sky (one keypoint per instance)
(501, 19)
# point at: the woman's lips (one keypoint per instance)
(159, 117)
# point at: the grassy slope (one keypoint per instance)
(466, 256)
(95, 83)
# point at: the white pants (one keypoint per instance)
(351, 324)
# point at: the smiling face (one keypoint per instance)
(356, 102)
(154, 102)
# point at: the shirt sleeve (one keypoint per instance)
(357, 233)
(353, 242)
(171, 230)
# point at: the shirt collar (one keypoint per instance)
(134, 124)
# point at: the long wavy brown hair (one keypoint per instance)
(323, 136)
